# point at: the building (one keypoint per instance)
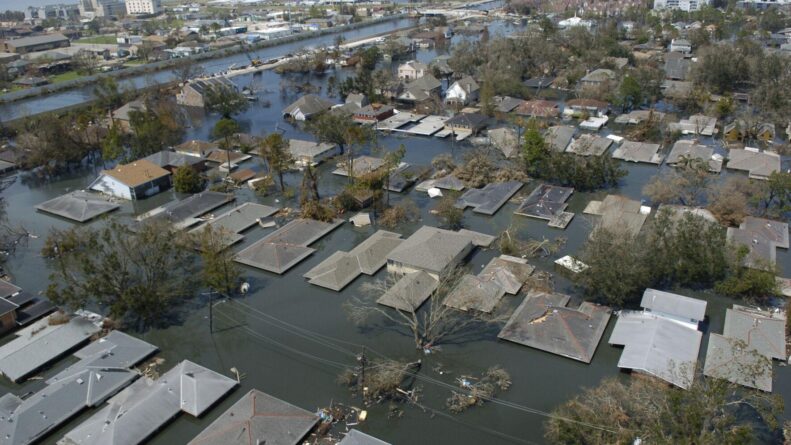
(680, 46)
(761, 237)
(101, 8)
(136, 180)
(538, 108)
(311, 153)
(194, 93)
(597, 78)
(421, 89)
(431, 250)
(467, 122)
(373, 113)
(172, 161)
(412, 70)
(306, 107)
(44, 42)
(55, 11)
(120, 116)
(143, 7)
(683, 5)
(463, 91)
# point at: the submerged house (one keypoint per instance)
(311, 153)
(431, 250)
(463, 91)
(421, 89)
(136, 180)
(306, 107)
(195, 93)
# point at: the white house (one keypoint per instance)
(136, 180)
(412, 70)
(680, 46)
(463, 91)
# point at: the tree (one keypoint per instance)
(429, 324)
(685, 185)
(224, 129)
(478, 169)
(332, 128)
(113, 144)
(107, 94)
(274, 149)
(187, 180)
(153, 129)
(220, 271)
(447, 211)
(535, 152)
(225, 100)
(85, 62)
(774, 196)
(137, 276)
(187, 69)
(392, 161)
(711, 412)
(630, 93)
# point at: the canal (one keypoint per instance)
(260, 334)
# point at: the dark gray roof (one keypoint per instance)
(559, 137)
(544, 322)
(235, 221)
(37, 40)
(40, 343)
(472, 120)
(7, 306)
(285, 247)
(356, 437)
(545, 201)
(184, 213)
(78, 206)
(539, 82)
(762, 237)
(140, 410)
(676, 66)
(638, 152)
(258, 418)
(508, 272)
(7, 289)
(689, 149)
(506, 104)
(490, 198)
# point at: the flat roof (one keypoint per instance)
(41, 343)
(732, 360)
(78, 206)
(258, 418)
(674, 304)
(143, 408)
(284, 248)
(490, 198)
(542, 321)
(409, 292)
(638, 152)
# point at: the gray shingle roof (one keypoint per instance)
(430, 249)
(762, 331)
(759, 165)
(356, 437)
(674, 305)
(489, 199)
(78, 206)
(137, 412)
(730, 359)
(308, 105)
(409, 292)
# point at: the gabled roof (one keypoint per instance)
(308, 105)
(409, 292)
(258, 418)
(506, 104)
(196, 147)
(559, 137)
(599, 75)
(471, 120)
(301, 148)
(638, 152)
(425, 83)
(538, 108)
(686, 149)
(545, 201)
(474, 293)
(137, 412)
(467, 84)
(167, 158)
(136, 173)
(758, 164)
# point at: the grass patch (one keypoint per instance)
(98, 40)
(63, 77)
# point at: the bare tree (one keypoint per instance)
(430, 323)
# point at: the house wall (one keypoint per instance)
(189, 97)
(151, 188)
(7, 322)
(400, 268)
(108, 185)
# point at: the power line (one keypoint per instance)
(305, 333)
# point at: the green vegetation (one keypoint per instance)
(64, 77)
(187, 180)
(98, 40)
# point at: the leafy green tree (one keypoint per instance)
(224, 130)
(187, 180)
(774, 198)
(392, 161)
(535, 152)
(275, 150)
(153, 130)
(225, 100)
(630, 93)
(331, 128)
(138, 276)
(113, 144)
(107, 94)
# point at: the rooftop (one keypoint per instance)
(618, 214)
(638, 152)
(356, 437)
(559, 137)
(258, 418)
(489, 199)
(137, 173)
(761, 237)
(431, 249)
(544, 322)
(360, 165)
(758, 164)
(185, 213)
(686, 149)
(674, 305)
(760, 330)
(409, 292)
(78, 206)
(729, 359)
(589, 145)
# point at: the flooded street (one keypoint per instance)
(260, 334)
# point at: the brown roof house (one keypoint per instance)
(538, 108)
(193, 94)
(136, 180)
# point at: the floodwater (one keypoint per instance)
(259, 334)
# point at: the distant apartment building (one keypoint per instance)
(141, 7)
(102, 8)
(684, 5)
(763, 4)
(55, 11)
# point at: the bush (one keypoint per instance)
(402, 212)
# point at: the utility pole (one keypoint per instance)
(363, 361)
(211, 311)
